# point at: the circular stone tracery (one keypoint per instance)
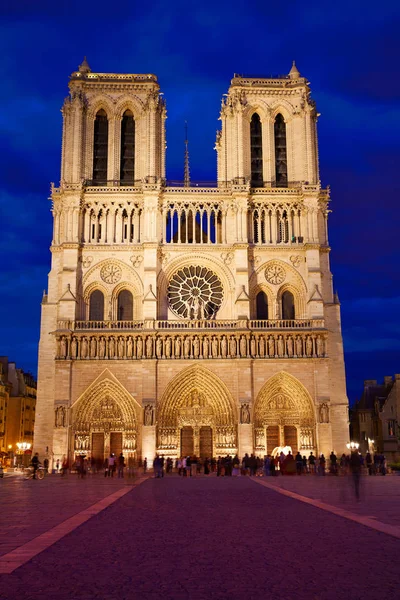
(195, 293)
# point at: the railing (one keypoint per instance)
(185, 324)
(286, 324)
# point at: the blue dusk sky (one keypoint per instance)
(349, 51)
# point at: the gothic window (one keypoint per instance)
(195, 292)
(283, 228)
(127, 166)
(125, 306)
(281, 175)
(256, 151)
(100, 148)
(288, 306)
(96, 306)
(262, 306)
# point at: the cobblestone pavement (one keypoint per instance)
(214, 538)
(380, 496)
(29, 508)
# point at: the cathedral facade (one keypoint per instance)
(184, 318)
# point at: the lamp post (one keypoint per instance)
(352, 446)
(11, 455)
(22, 448)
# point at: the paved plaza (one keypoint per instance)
(204, 537)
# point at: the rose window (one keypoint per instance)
(195, 293)
(275, 274)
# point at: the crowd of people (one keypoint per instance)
(192, 466)
(281, 464)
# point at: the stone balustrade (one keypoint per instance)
(183, 324)
(199, 345)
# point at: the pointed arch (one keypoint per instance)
(198, 378)
(280, 139)
(132, 103)
(127, 148)
(256, 151)
(100, 147)
(284, 399)
(124, 411)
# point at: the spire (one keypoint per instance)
(84, 67)
(186, 174)
(294, 73)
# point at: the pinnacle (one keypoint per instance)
(294, 73)
(84, 67)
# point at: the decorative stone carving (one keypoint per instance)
(206, 347)
(245, 413)
(259, 438)
(87, 261)
(60, 416)
(93, 347)
(84, 348)
(223, 347)
(82, 442)
(202, 345)
(227, 257)
(129, 444)
(111, 273)
(63, 347)
(309, 346)
(275, 274)
(306, 439)
(295, 260)
(136, 260)
(102, 348)
(281, 347)
(149, 415)
(243, 346)
(177, 347)
(271, 347)
(324, 413)
(280, 402)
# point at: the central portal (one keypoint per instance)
(198, 440)
(187, 441)
(206, 442)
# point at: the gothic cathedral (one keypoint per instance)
(186, 318)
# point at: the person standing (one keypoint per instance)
(111, 465)
(193, 466)
(121, 466)
(57, 465)
(35, 464)
(144, 466)
(355, 470)
(299, 463)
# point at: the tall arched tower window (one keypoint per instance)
(96, 306)
(256, 151)
(125, 306)
(281, 174)
(127, 166)
(262, 305)
(288, 306)
(100, 148)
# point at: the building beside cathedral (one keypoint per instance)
(186, 319)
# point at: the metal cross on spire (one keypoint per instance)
(186, 174)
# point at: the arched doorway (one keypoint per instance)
(104, 420)
(196, 416)
(284, 416)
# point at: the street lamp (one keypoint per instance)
(353, 445)
(22, 448)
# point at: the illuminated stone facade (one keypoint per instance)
(189, 318)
